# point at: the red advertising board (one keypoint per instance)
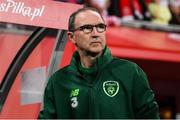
(44, 13)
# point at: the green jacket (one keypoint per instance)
(113, 88)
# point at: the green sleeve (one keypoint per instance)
(144, 103)
(49, 110)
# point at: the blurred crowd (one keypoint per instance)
(163, 12)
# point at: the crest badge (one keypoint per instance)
(111, 88)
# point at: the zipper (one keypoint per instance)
(91, 102)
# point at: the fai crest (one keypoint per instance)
(111, 88)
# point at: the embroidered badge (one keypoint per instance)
(111, 88)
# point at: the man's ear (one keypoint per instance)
(71, 37)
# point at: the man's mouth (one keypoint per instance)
(96, 42)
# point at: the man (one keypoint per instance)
(95, 84)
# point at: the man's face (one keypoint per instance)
(93, 42)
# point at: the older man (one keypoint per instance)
(95, 84)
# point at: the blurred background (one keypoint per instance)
(144, 31)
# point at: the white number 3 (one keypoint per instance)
(74, 103)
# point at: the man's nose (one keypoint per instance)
(94, 31)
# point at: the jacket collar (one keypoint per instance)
(101, 61)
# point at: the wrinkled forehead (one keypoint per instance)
(88, 17)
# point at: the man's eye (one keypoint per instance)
(87, 27)
(101, 26)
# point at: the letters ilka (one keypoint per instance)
(10, 6)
